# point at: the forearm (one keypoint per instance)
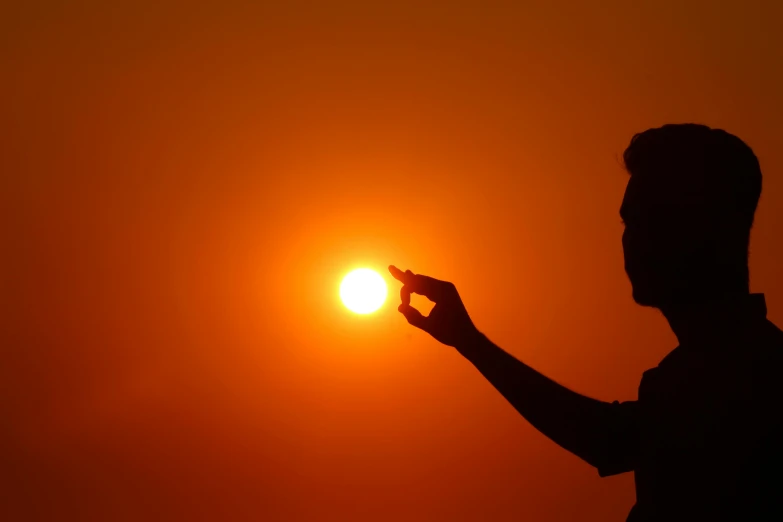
(573, 421)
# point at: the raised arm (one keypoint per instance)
(589, 428)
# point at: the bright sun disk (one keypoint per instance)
(363, 291)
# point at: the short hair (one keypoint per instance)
(724, 167)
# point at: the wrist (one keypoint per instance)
(470, 341)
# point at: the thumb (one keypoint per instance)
(413, 316)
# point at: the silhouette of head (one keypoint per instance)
(688, 210)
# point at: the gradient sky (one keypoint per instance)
(184, 185)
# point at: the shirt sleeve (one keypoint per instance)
(622, 439)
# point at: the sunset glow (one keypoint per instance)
(200, 203)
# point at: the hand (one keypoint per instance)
(448, 321)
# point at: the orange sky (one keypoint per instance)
(183, 186)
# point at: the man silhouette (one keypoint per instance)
(704, 436)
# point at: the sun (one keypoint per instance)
(363, 291)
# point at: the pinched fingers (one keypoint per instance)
(414, 317)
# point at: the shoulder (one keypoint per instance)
(772, 338)
(766, 357)
(671, 363)
(657, 376)
(763, 353)
(670, 359)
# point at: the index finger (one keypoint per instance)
(398, 274)
(429, 287)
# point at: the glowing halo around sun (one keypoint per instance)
(363, 291)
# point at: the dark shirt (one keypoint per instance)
(704, 439)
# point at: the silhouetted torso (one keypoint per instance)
(704, 437)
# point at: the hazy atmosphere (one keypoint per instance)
(184, 186)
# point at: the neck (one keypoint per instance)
(700, 319)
